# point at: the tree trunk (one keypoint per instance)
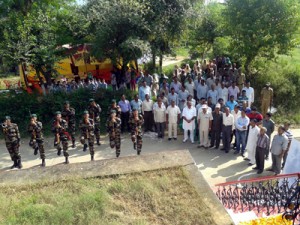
(153, 60)
(160, 62)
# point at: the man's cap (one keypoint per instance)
(67, 102)
(268, 84)
(33, 115)
(7, 117)
(57, 112)
(113, 101)
(218, 106)
(85, 112)
(91, 100)
(204, 106)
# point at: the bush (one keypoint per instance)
(19, 106)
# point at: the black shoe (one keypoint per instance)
(85, 147)
(36, 151)
(246, 159)
(138, 152)
(255, 168)
(43, 163)
(250, 164)
(15, 164)
(67, 160)
(175, 139)
(217, 147)
(134, 146)
(226, 151)
(242, 154)
(73, 144)
(20, 164)
(169, 139)
(92, 158)
(259, 172)
(118, 154)
(98, 142)
(59, 152)
(236, 152)
(211, 146)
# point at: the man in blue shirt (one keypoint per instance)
(241, 126)
(125, 113)
(231, 103)
(144, 90)
(136, 103)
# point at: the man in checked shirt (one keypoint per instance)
(263, 145)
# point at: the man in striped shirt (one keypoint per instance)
(263, 145)
(289, 135)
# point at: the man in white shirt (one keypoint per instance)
(173, 96)
(234, 90)
(223, 92)
(228, 121)
(204, 122)
(144, 90)
(236, 114)
(202, 90)
(188, 124)
(176, 85)
(252, 141)
(210, 80)
(249, 93)
(172, 119)
(160, 118)
(182, 97)
(190, 86)
(147, 109)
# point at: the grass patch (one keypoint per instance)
(157, 197)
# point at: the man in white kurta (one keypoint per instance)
(252, 141)
(249, 93)
(188, 124)
(204, 121)
(172, 118)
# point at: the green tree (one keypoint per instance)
(261, 27)
(118, 29)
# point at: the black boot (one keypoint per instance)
(134, 146)
(118, 154)
(92, 157)
(43, 163)
(20, 164)
(15, 164)
(67, 160)
(59, 151)
(73, 144)
(36, 151)
(85, 147)
(138, 152)
(98, 142)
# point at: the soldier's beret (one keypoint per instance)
(33, 115)
(113, 101)
(85, 112)
(91, 100)
(57, 112)
(67, 102)
(7, 118)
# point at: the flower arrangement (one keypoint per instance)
(271, 220)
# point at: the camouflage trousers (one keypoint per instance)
(90, 141)
(97, 130)
(137, 139)
(38, 143)
(115, 142)
(71, 130)
(65, 145)
(13, 149)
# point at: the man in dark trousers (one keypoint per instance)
(263, 145)
(216, 127)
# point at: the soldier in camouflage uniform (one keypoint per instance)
(35, 129)
(86, 127)
(12, 141)
(136, 121)
(59, 128)
(114, 107)
(68, 114)
(113, 127)
(94, 111)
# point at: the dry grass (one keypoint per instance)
(158, 197)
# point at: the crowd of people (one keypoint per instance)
(212, 102)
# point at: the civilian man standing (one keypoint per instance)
(172, 119)
(269, 124)
(263, 145)
(228, 122)
(216, 127)
(278, 148)
(204, 123)
(241, 126)
(125, 113)
(147, 109)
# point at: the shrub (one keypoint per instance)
(19, 106)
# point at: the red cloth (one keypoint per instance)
(256, 116)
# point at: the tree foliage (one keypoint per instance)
(261, 27)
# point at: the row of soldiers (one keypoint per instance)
(63, 127)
